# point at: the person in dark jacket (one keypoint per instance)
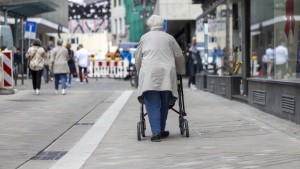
(194, 63)
(71, 64)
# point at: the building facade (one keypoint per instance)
(50, 16)
(262, 38)
(118, 27)
(180, 16)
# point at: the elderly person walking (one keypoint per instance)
(36, 56)
(59, 66)
(158, 60)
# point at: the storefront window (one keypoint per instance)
(223, 46)
(275, 39)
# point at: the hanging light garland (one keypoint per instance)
(97, 10)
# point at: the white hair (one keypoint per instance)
(155, 22)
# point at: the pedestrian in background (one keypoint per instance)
(17, 60)
(46, 64)
(270, 56)
(281, 57)
(36, 56)
(265, 61)
(59, 66)
(158, 58)
(194, 63)
(71, 64)
(126, 55)
(82, 57)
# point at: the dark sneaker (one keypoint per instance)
(164, 134)
(155, 138)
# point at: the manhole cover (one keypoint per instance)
(50, 155)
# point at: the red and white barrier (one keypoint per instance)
(108, 69)
(7, 69)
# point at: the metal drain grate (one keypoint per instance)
(50, 155)
(288, 104)
(259, 97)
(26, 100)
(223, 89)
(84, 124)
(108, 102)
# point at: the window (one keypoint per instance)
(213, 39)
(73, 40)
(275, 40)
(116, 26)
(121, 27)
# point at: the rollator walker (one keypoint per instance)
(183, 123)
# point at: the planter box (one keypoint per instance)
(225, 86)
(279, 98)
(201, 81)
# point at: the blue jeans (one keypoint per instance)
(70, 78)
(63, 78)
(72, 68)
(157, 106)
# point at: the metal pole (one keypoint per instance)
(5, 15)
(144, 16)
(22, 49)
(27, 60)
(16, 44)
(206, 46)
(226, 54)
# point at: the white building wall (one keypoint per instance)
(117, 13)
(177, 9)
(94, 43)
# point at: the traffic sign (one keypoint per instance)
(30, 30)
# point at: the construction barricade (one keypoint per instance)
(7, 69)
(6, 73)
(108, 69)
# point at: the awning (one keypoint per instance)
(47, 25)
(27, 8)
(211, 8)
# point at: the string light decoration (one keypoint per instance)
(88, 14)
(100, 9)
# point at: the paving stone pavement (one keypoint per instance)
(224, 134)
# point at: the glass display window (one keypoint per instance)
(275, 33)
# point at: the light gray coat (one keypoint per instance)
(158, 60)
(59, 60)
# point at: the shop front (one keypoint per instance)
(257, 46)
(221, 28)
(274, 85)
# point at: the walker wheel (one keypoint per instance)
(181, 125)
(139, 126)
(143, 128)
(186, 126)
